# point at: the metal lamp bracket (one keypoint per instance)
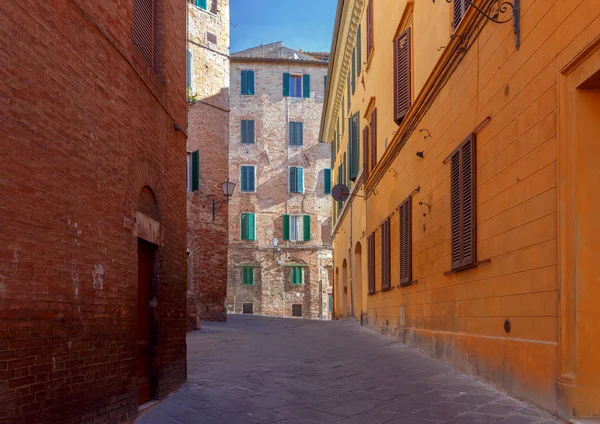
(498, 8)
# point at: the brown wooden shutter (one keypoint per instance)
(385, 255)
(370, 34)
(144, 29)
(405, 212)
(459, 10)
(463, 173)
(373, 140)
(371, 263)
(365, 149)
(402, 76)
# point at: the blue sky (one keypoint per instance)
(305, 24)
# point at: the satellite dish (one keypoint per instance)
(340, 193)
(275, 242)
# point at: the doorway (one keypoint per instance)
(579, 235)
(145, 342)
(358, 281)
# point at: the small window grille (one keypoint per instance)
(297, 310)
(248, 308)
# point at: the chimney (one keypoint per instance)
(300, 50)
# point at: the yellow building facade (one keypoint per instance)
(471, 149)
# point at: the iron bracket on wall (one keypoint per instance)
(498, 8)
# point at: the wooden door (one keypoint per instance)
(145, 256)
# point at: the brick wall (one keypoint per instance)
(208, 132)
(86, 125)
(272, 293)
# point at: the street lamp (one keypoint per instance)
(227, 188)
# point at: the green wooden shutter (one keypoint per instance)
(327, 179)
(189, 69)
(325, 82)
(201, 4)
(250, 82)
(353, 71)
(286, 85)
(300, 179)
(244, 82)
(243, 178)
(293, 140)
(306, 86)
(306, 227)
(358, 50)
(299, 133)
(247, 127)
(244, 226)
(251, 178)
(286, 227)
(196, 170)
(251, 226)
(354, 147)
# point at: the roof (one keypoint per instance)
(275, 52)
(324, 56)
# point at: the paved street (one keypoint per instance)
(265, 370)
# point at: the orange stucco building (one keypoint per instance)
(471, 229)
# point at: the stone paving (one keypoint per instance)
(287, 371)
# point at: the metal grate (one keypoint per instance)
(297, 310)
(248, 308)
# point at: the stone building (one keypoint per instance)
(279, 224)
(208, 146)
(473, 150)
(92, 211)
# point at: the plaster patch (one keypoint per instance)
(98, 276)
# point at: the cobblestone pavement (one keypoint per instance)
(287, 371)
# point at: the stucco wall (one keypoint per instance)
(459, 317)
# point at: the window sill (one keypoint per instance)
(464, 268)
(410, 283)
(386, 289)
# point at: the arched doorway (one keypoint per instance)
(345, 312)
(357, 280)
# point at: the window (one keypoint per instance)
(247, 178)
(463, 204)
(247, 129)
(405, 241)
(371, 263)
(247, 226)
(365, 146)
(459, 9)
(193, 171)
(358, 50)
(354, 144)
(190, 71)
(353, 71)
(297, 275)
(247, 308)
(402, 76)
(247, 82)
(386, 282)
(327, 181)
(373, 140)
(200, 3)
(144, 30)
(330, 303)
(297, 310)
(296, 179)
(370, 33)
(325, 83)
(296, 133)
(296, 227)
(248, 276)
(296, 85)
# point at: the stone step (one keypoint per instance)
(584, 421)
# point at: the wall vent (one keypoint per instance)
(296, 310)
(248, 308)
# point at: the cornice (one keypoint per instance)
(345, 39)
